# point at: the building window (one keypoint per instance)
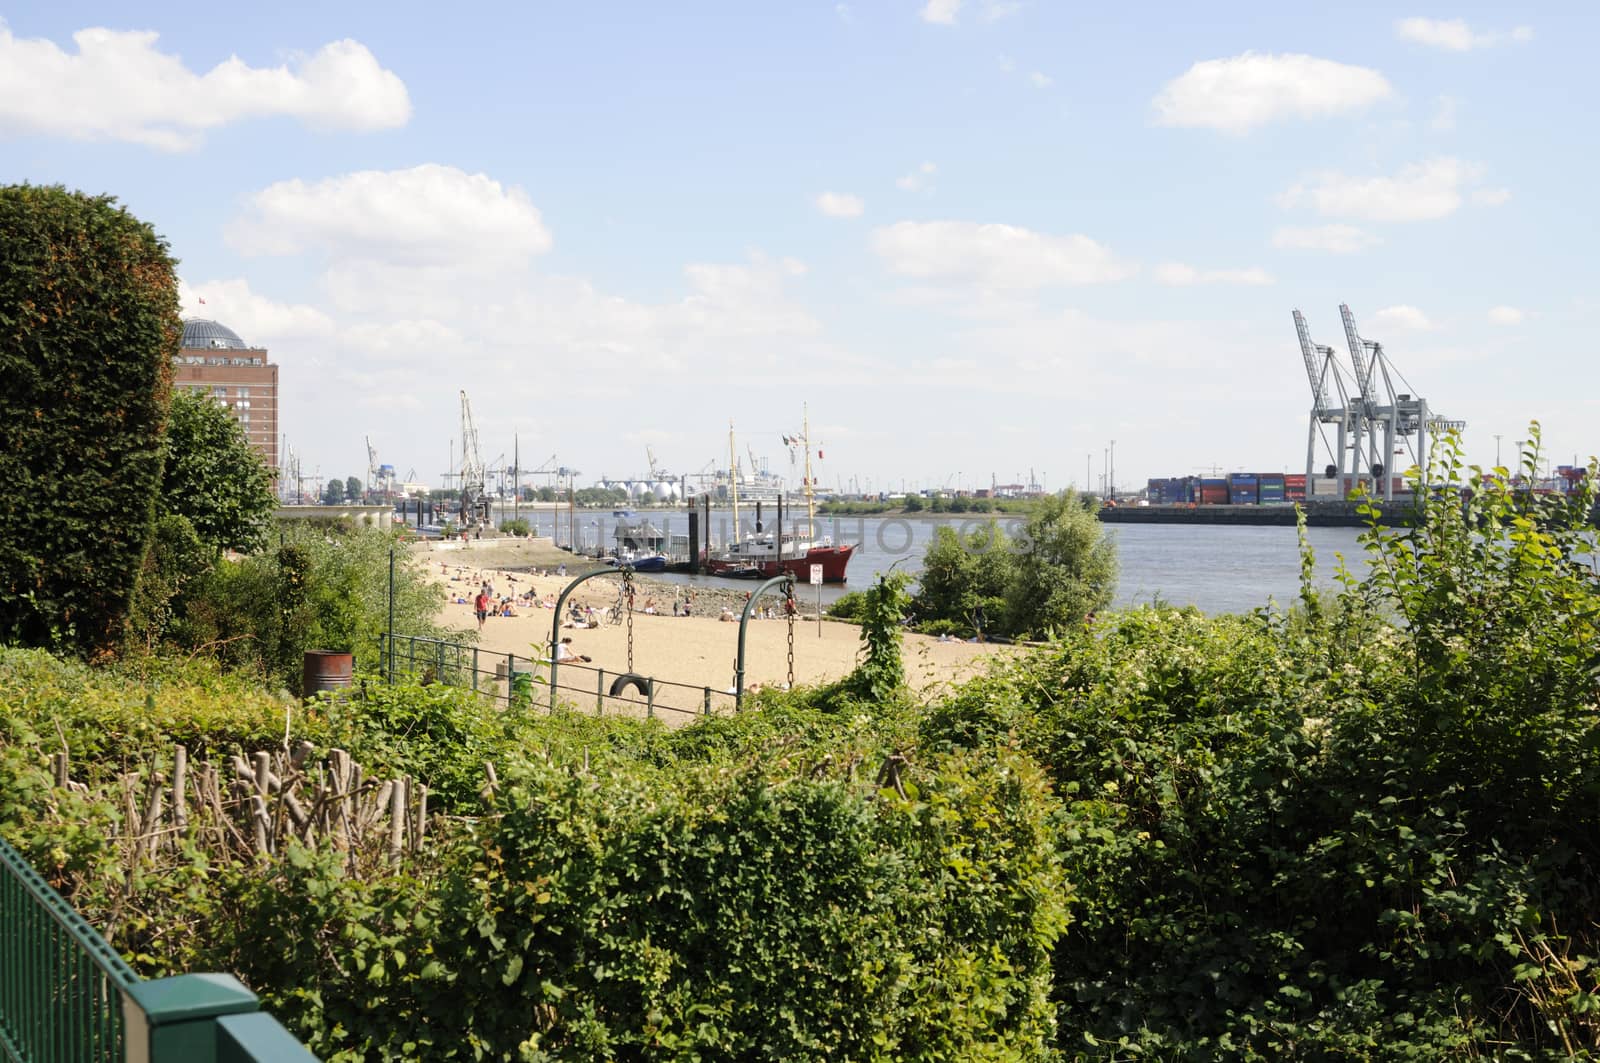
(220, 393)
(244, 393)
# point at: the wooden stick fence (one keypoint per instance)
(252, 807)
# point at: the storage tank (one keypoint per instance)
(661, 491)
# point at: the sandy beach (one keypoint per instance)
(684, 655)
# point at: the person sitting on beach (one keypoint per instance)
(564, 651)
(727, 615)
(650, 606)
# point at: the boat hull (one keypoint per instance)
(833, 559)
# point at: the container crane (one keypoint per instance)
(1375, 421)
(474, 503)
(1321, 366)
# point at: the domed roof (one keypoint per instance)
(199, 332)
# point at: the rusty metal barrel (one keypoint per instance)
(325, 670)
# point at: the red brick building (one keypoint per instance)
(214, 360)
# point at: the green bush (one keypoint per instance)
(88, 329)
(516, 526)
(848, 606)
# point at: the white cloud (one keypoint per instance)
(1506, 315)
(427, 214)
(995, 10)
(1238, 94)
(1338, 239)
(1454, 35)
(839, 205)
(994, 256)
(257, 319)
(1490, 197)
(1041, 81)
(118, 86)
(944, 12)
(1007, 64)
(1444, 115)
(1178, 274)
(1419, 192)
(1403, 317)
(918, 179)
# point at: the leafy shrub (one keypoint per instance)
(739, 915)
(848, 606)
(88, 329)
(515, 526)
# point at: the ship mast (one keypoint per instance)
(733, 482)
(811, 498)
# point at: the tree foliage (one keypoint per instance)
(88, 329)
(213, 477)
(1051, 571)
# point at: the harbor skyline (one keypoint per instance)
(982, 240)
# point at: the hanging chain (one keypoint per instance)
(789, 609)
(627, 592)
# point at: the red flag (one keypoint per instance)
(202, 299)
(819, 453)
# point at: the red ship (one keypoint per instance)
(766, 554)
(758, 556)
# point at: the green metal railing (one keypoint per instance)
(61, 985)
(66, 996)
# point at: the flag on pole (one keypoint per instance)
(202, 299)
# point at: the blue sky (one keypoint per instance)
(975, 237)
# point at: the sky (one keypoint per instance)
(972, 240)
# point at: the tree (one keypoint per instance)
(963, 574)
(214, 478)
(89, 326)
(913, 504)
(352, 488)
(333, 492)
(1064, 568)
(1060, 567)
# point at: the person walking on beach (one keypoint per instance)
(480, 605)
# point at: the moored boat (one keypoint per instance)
(768, 554)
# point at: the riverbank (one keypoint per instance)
(698, 651)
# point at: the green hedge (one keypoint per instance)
(88, 329)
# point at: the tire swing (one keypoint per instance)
(631, 679)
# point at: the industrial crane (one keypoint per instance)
(474, 503)
(1320, 366)
(372, 468)
(1403, 419)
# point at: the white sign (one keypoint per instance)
(816, 575)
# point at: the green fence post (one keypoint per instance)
(175, 1018)
(257, 1038)
(600, 693)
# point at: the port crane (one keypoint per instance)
(474, 502)
(1374, 421)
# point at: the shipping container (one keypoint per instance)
(1295, 479)
(1294, 494)
(1213, 494)
(1241, 494)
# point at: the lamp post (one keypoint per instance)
(1497, 450)
(1113, 484)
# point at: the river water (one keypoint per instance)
(1219, 568)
